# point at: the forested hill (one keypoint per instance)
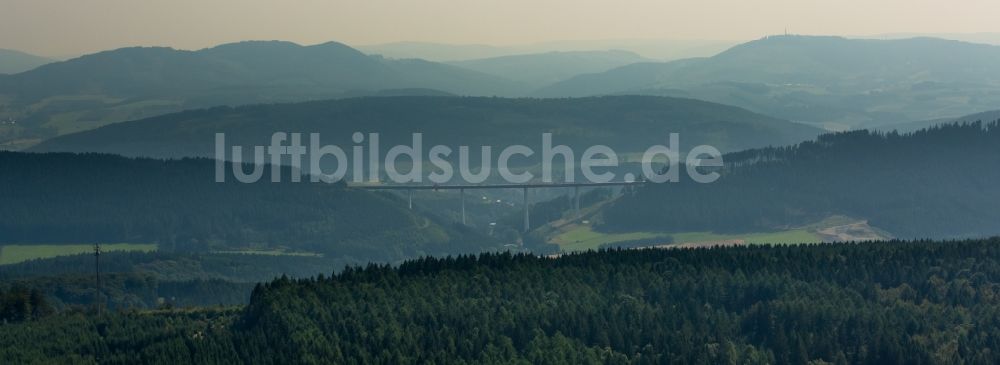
(937, 182)
(86, 198)
(137, 82)
(857, 83)
(871, 303)
(242, 72)
(627, 123)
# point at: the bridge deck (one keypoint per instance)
(493, 186)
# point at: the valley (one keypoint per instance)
(444, 182)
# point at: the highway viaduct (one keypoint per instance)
(524, 187)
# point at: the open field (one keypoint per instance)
(571, 236)
(581, 238)
(844, 229)
(12, 254)
(18, 144)
(782, 237)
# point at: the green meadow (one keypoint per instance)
(12, 254)
(583, 237)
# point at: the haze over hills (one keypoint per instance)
(980, 37)
(626, 123)
(660, 49)
(830, 81)
(269, 69)
(133, 83)
(12, 61)
(541, 69)
(921, 124)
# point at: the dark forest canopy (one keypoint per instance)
(88, 198)
(870, 303)
(938, 182)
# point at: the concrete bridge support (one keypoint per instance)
(462, 192)
(527, 222)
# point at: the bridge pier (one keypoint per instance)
(462, 192)
(576, 202)
(527, 223)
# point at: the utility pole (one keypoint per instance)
(97, 270)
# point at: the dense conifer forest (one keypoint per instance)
(938, 182)
(868, 303)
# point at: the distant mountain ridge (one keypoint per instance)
(847, 63)
(12, 62)
(269, 66)
(539, 69)
(830, 81)
(659, 49)
(921, 124)
(139, 82)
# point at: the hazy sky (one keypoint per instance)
(68, 27)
